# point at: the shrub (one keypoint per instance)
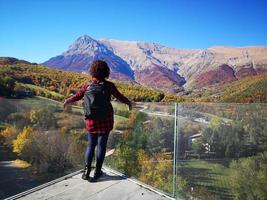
(20, 120)
(44, 118)
(22, 140)
(9, 134)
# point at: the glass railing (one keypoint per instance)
(221, 151)
(188, 151)
(39, 142)
(143, 144)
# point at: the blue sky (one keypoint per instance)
(36, 30)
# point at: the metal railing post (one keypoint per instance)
(175, 153)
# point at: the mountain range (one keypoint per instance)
(161, 67)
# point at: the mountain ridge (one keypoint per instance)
(83, 52)
(133, 61)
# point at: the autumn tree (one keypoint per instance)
(22, 141)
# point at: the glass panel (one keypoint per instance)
(222, 151)
(141, 145)
(38, 142)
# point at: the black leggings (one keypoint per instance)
(99, 140)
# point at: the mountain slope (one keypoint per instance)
(246, 90)
(252, 90)
(83, 52)
(162, 67)
(191, 63)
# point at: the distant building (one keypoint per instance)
(201, 120)
(194, 137)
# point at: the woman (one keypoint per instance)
(98, 129)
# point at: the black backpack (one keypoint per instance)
(96, 101)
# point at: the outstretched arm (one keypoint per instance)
(115, 92)
(79, 95)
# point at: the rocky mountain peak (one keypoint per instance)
(85, 45)
(84, 39)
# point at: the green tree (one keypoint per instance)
(198, 146)
(7, 85)
(248, 177)
(126, 161)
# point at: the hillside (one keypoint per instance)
(252, 90)
(246, 90)
(41, 80)
(57, 84)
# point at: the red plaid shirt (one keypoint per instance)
(100, 125)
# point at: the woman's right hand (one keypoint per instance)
(65, 105)
(131, 105)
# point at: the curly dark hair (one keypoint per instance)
(99, 69)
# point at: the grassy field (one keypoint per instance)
(31, 103)
(43, 90)
(211, 175)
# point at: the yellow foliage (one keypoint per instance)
(21, 163)
(156, 169)
(9, 134)
(7, 131)
(22, 140)
(215, 122)
(33, 116)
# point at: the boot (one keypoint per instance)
(86, 173)
(97, 175)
